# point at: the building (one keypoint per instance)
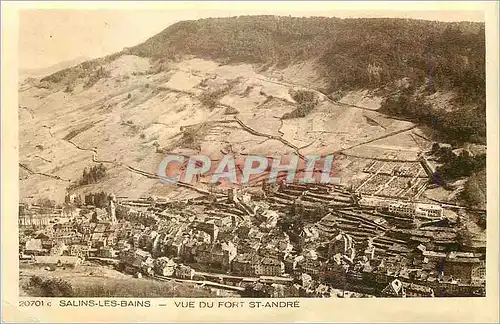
(34, 247)
(47, 240)
(112, 239)
(269, 267)
(98, 240)
(428, 211)
(79, 250)
(311, 267)
(476, 149)
(436, 147)
(394, 289)
(412, 210)
(100, 227)
(429, 167)
(216, 255)
(462, 152)
(342, 244)
(137, 260)
(164, 267)
(242, 264)
(112, 208)
(175, 245)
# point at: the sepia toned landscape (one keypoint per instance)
(399, 103)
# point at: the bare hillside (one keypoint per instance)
(133, 114)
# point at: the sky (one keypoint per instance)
(50, 36)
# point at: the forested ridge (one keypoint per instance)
(355, 54)
(446, 52)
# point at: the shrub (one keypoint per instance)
(230, 111)
(96, 76)
(306, 102)
(57, 287)
(211, 98)
(93, 174)
(35, 281)
(69, 87)
(43, 85)
(351, 54)
(474, 190)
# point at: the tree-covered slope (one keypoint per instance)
(351, 50)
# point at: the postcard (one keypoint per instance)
(249, 161)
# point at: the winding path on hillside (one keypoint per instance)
(236, 119)
(139, 171)
(41, 173)
(376, 139)
(290, 84)
(278, 138)
(114, 163)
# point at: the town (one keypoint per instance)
(285, 240)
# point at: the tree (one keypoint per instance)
(85, 176)
(50, 287)
(56, 288)
(78, 201)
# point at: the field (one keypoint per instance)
(89, 280)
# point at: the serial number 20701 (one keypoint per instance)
(31, 303)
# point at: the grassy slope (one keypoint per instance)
(96, 281)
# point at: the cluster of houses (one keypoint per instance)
(298, 239)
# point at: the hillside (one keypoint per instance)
(351, 54)
(131, 117)
(250, 85)
(44, 71)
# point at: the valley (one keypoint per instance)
(407, 216)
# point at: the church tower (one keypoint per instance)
(112, 208)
